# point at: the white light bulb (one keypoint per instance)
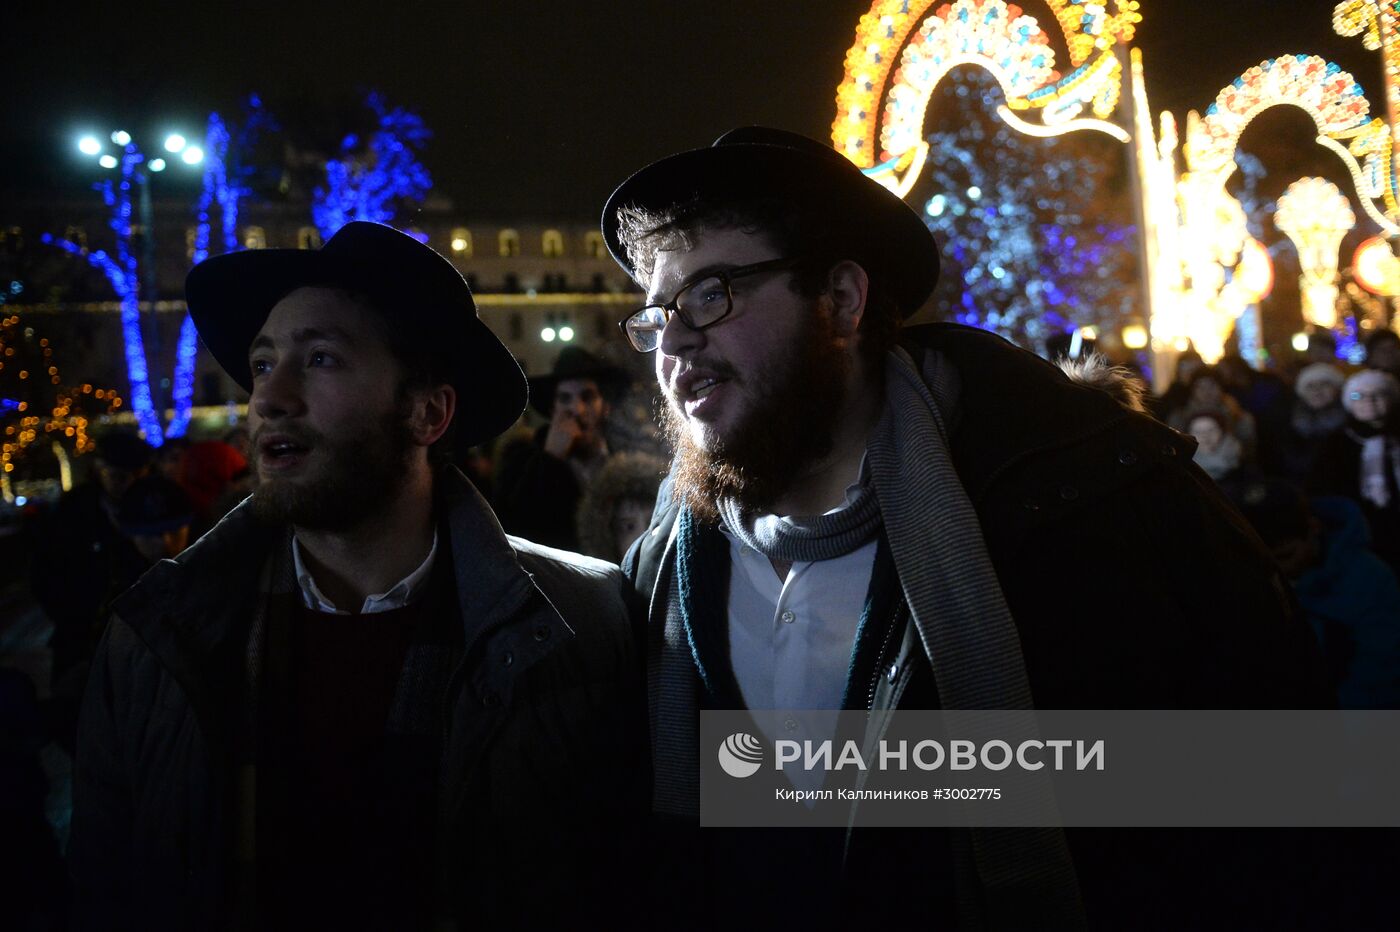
(108, 161)
(547, 334)
(89, 145)
(157, 165)
(121, 137)
(174, 142)
(192, 155)
(566, 333)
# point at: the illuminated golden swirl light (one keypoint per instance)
(900, 54)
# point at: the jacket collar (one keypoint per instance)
(194, 611)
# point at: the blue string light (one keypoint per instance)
(373, 184)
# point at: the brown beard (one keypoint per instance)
(788, 427)
(354, 483)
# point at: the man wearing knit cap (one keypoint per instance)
(355, 703)
(869, 515)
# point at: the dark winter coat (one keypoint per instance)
(1132, 583)
(1337, 471)
(540, 729)
(537, 494)
(1352, 600)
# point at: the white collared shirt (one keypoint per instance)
(396, 596)
(790, 640)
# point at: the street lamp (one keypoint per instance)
(135, 169)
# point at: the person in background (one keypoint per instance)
(81, 558)
(1218, 451)
(208, 470)
(617, 506)
(1361, 461)
(1206, 393)
(539, 484)
(1350, 596)
(1293, 430)
(155, 514)
(1383, 351)
(1178, 391)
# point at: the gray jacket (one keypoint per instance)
(542, 730)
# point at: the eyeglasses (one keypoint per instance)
(699, 304)
(1369, 396)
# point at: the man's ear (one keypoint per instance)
(847, 287)
(432, 413)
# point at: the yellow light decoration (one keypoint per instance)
(1315, 215)
(899, 56)
(1255, 273)
(1326, 93)
(1376, 268)
(1135, 336)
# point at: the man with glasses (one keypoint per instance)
(873, 516)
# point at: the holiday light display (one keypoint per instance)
(1315, 215)
(37, 410)
(1376, 268)
(374, 184)
(900, 55)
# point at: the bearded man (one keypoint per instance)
(875, 517)
(355, 703)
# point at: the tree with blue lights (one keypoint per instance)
(225, 184)
(376, 180)
(1030, 242)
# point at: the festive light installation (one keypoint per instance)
(24, 355)
(373, 185)
(900, 55)
(1030, 245)
(1315, 215)
(1376, 268)
(122, 273)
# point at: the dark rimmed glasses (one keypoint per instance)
(700, 303)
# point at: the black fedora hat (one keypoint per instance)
(575, 362)
(230, 297)
(886, 236)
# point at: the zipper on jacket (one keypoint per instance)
(880, 659)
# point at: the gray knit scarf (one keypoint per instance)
(825, 537)
(1024, 876)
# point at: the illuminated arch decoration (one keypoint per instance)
(900, 55)
(1329, 95)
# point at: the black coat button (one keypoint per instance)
(508, 658)
(1069, 493)
(1127, 457)
(490, 700)
(542, 633)
(1031, 504)
(1168, 450)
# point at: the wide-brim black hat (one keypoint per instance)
(230, 297)
(886, 236)
(574, 362)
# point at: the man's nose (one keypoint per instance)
(677, 338)
(278, 392)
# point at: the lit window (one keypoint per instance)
(254, 238)
(462, 242)
(308, 238)
(553, 244)
(510, 243)
(593, 245)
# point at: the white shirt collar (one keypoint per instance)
(397, 596)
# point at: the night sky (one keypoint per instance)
(539, 109)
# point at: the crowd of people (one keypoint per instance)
(1310, 454)
(398, 658)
